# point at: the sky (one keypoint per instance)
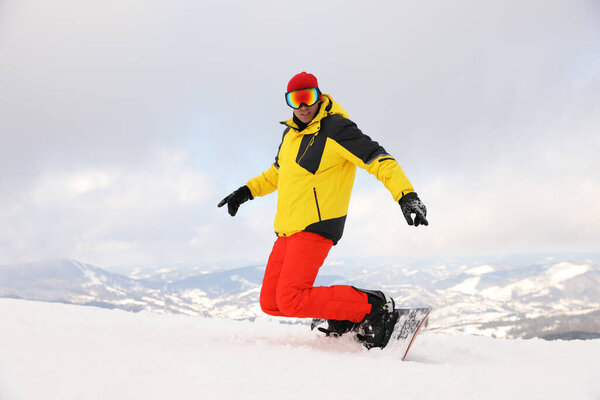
(124, 123)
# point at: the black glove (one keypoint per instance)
(410, 203)
(236, 198)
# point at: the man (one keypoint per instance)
(314, 171)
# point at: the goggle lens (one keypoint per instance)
(303, 96)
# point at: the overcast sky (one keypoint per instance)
(123, 123)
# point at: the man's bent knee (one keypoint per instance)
(268, 304)
(291, 304)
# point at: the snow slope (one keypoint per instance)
(58, 351)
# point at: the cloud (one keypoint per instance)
(123, 123)
(138, 211)
(466, 218)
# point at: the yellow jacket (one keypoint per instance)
(314, 172)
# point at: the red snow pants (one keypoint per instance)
(291, 271)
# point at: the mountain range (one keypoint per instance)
(508, 297)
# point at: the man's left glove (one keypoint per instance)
(411, 204)
(236, 198)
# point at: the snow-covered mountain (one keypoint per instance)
(506, 297)
(69, 281)
(58, 351)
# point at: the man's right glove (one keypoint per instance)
(236, 198)
(411, 204)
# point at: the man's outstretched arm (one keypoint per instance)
(366, 153)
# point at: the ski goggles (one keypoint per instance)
(308, 97)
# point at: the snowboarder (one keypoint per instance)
(314, 171)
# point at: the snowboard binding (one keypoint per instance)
(334, 328)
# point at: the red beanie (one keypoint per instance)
(302, 81)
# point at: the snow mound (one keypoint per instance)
(481, 270)
(58, 351)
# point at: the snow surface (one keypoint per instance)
(57, 351)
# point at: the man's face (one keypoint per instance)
(306, 114)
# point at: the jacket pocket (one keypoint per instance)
(317, 203)
(310, 152)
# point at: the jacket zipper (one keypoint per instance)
(317, 203)
(312, 140)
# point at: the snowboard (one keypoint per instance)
(407, 327)
(409, 321)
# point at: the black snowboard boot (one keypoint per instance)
(377, 326)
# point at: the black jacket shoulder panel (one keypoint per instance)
(349, 136)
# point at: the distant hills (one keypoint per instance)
(543, 297)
